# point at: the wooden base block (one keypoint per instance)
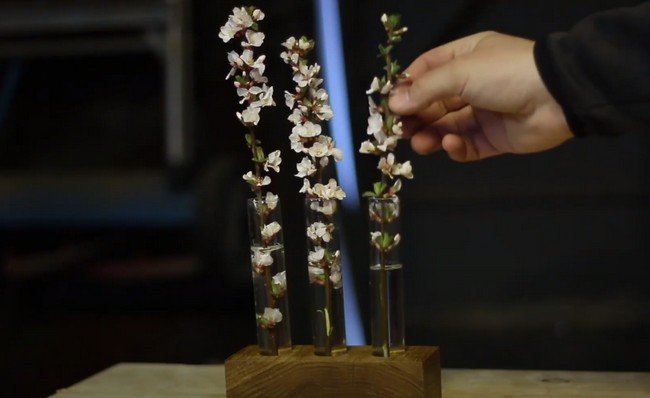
(357, 373)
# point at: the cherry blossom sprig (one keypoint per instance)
(248, 72)
(384, 126)
(385, 130)
(310, 107)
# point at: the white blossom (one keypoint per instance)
(320, 95)
(238, 21)
(289, 43)
(254, 39)
(306, 186)
(397, 129)
(387, 143)
(307, 129)
(295, 117)
(396, 239)
(228, 32)
(324, 112)
(405, 169)
(317, 255)
(337, 154)
(280, 279)
(305, 168)
(337, 279)
(324, 161)
(235, 62)
(250, 178)
(290, 57)
(330, 191)
(335, 271)
(289, 99)
(374, 86)
(397, 186)
(270, 230)
(249, 116)
(258, 76)
(273, 161)
(271, 200)
(264, 97)
(256, 181)
(241, 17)
(386, 164)
(319, 230)
(367, 147)
(316, 274)
(375, 124)
(270, 317)
(318, 150)
(328, 208)
(296, 142)
(261, 258)
(258, 15)
(387, 87)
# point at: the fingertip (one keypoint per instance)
(425, 143)
(399, 99)
(455, 147)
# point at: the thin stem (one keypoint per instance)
(383, 289)
(271, 301)
(328, 309)
(258, 167)
(268, 284)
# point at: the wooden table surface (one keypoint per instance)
(203, 381)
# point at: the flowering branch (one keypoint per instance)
(384, 126)
(251, 84)
(309, 105)
(247, 69)
(385, 129)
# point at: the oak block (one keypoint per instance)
(357, 373)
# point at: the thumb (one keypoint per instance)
(437, 74)
(410, 97)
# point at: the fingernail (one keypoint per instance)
(398, 96)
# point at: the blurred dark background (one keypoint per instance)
(122, 220)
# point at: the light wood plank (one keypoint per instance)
(151, 380)
(208, 381)
(461, 383)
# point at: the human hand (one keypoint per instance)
(477, 97)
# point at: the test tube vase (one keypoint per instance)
(386, 277)
(269, 276)
(324, 266)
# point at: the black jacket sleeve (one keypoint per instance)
(599, 71)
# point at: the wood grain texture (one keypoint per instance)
(300, 373)
(472, 383)
(151, 380)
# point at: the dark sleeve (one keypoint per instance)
(599, 71)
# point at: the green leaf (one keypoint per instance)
(369, 194)
(379, 188)
(394, 20)
(385, 240)
(259, 154)
(249, 138)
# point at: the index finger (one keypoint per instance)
(443, 54)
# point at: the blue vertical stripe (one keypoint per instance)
(330, 46)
